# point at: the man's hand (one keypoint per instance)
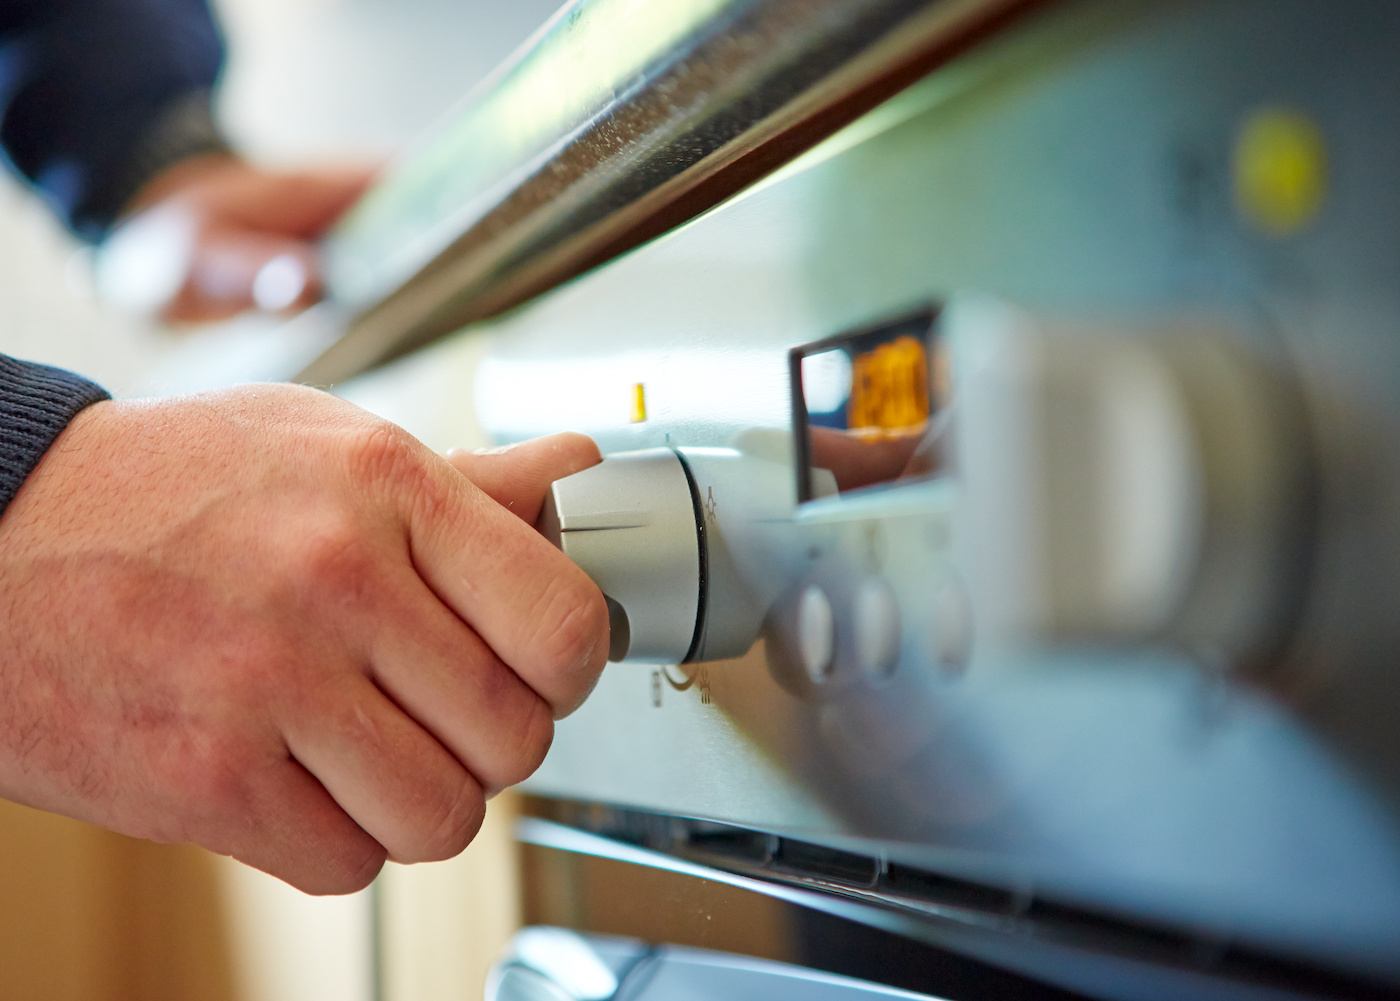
(215, 236)
(267, 622)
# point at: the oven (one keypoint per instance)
(1000, 516)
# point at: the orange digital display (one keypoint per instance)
(866, 403)
(890, 388)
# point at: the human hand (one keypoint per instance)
(518, 476)
(267, 622)
(214, 236)
(860, 460)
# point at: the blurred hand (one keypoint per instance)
(267, 622)
(215, 236)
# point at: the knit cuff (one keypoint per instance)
(36, 403)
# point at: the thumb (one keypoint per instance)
(518, 476)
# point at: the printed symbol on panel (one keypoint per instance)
(700, 679)
(656, 689)
(874, 545)
(680, 686)
(710, 506)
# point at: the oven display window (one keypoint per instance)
(867, 404)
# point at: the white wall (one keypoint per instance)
(310, 78)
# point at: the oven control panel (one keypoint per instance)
(1010, 489)
(1083, 487)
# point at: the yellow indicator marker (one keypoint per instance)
(1280, 171)
(639, 402)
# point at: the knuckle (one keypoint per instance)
(573, 631)
(388, 458)
(214, 778)
(332, 556)
(352, 867)
(387, 455)
(527, 750)
(455, 825)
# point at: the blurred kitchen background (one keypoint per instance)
(88, 914)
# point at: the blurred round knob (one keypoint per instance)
(875, 617)
(630, 523)
(520, 983)
(951, 620)
(1123, 487)
(816, 633)
(550, 964)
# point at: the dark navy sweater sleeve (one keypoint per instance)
(97, 96)
(36, 404)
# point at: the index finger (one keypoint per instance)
(536, 609)
(300, 203)
(518, 477)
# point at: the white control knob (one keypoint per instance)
(631, 524)
(1126, 488)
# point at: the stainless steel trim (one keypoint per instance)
(1023, 946)
(745, 95)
